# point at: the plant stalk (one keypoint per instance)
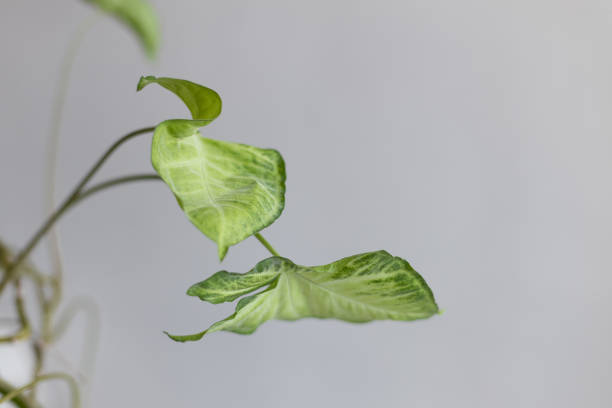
(115, 182)
(74, 388)
(19, 400)
(23, 254)
(53, 144)
(266, 244)
(25, 330)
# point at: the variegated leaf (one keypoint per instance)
(360, 288)
(229, 191)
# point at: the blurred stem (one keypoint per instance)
(39, 281)
(51, 165)
(11, 271)
(74, 389)
(19, 400)
(90, 342)
(38, 349)
(25, 330)
(4, 256)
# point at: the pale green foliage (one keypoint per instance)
(360, 288)
(229, 191)
(139, 16)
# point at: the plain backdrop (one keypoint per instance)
(472, 138)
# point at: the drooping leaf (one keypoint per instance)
(139, 16)
(358, 289)
(229, 191)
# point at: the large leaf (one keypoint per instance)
(229, 191)
(360, 288)
(139, 16)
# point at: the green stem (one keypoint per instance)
(76, 199)
(52, 155)
(74, 388)
(96, 188)
(266, 244)
(90, 333)
(11, 270)
(58, 107)
(115, 182)
(18, 400)
(25, 330)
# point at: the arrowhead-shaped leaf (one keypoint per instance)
(139, 16)
(229, 191)
(360, 288)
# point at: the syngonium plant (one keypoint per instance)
(229, 191)
(232, 191)
(140, 17)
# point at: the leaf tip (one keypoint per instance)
(144, 81)
(222, 252)
(193, 290)
(189, 337)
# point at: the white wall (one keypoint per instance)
(473, 138)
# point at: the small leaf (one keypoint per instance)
(229, 191)
(139, 16)
(228, 286)
(358, 289)
(203, 102)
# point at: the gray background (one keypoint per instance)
(472, 138)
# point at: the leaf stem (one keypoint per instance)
(18, 400)
(91, 332)
(12, 269)
(115, 182)
(53, 144)
(25, 330)
(74, 388)
(265, 243)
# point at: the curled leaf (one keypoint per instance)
(202, 102)
(358, 289)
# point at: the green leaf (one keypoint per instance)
(226, 286)
(139, 16)
(358, 289)
(229, 191)
(203, 103)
